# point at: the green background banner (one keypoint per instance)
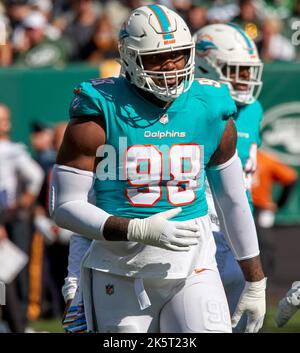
(46, 94)
(281, 126)
(40, 95)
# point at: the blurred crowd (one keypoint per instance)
(48, 33)
(35, 291)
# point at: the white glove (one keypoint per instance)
(69, 288)
(158, 231)
(288, 305)
(253, 302)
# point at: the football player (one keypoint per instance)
(145, 143)
(225, 53)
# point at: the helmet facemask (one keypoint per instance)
(147, 80)
(230, 74)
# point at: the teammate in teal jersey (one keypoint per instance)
(224, 52)
(144, 144)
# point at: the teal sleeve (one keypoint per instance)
(85, 101)
(216, 97)
(222, 105)
(224, 108)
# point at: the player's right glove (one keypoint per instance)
(288, 305)
(158, 231)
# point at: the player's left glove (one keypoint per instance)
(288, 305)
(253, 302)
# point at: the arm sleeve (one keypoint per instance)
(68, 202)
(229, 194)
(77, 249)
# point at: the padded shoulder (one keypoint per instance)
(89, 96)
(216, 97)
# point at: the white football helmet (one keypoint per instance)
(221, 50)
(150, 30)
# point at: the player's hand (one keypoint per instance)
(253, 302)
(288, 305)
(158, 231)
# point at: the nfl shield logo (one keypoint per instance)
(109, 289)
(164, 119)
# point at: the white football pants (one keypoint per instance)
(192, 305)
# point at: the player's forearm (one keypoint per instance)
(70, 209)
(252, 269)
(80, 217)
(68, 202)
(233, 210)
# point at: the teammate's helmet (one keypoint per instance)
(221, 51)
(150, 30)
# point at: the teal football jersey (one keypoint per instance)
(154, 158)
(248, 129)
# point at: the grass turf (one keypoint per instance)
(293, 326)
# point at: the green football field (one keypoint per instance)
(292, 326)
(269, 325)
